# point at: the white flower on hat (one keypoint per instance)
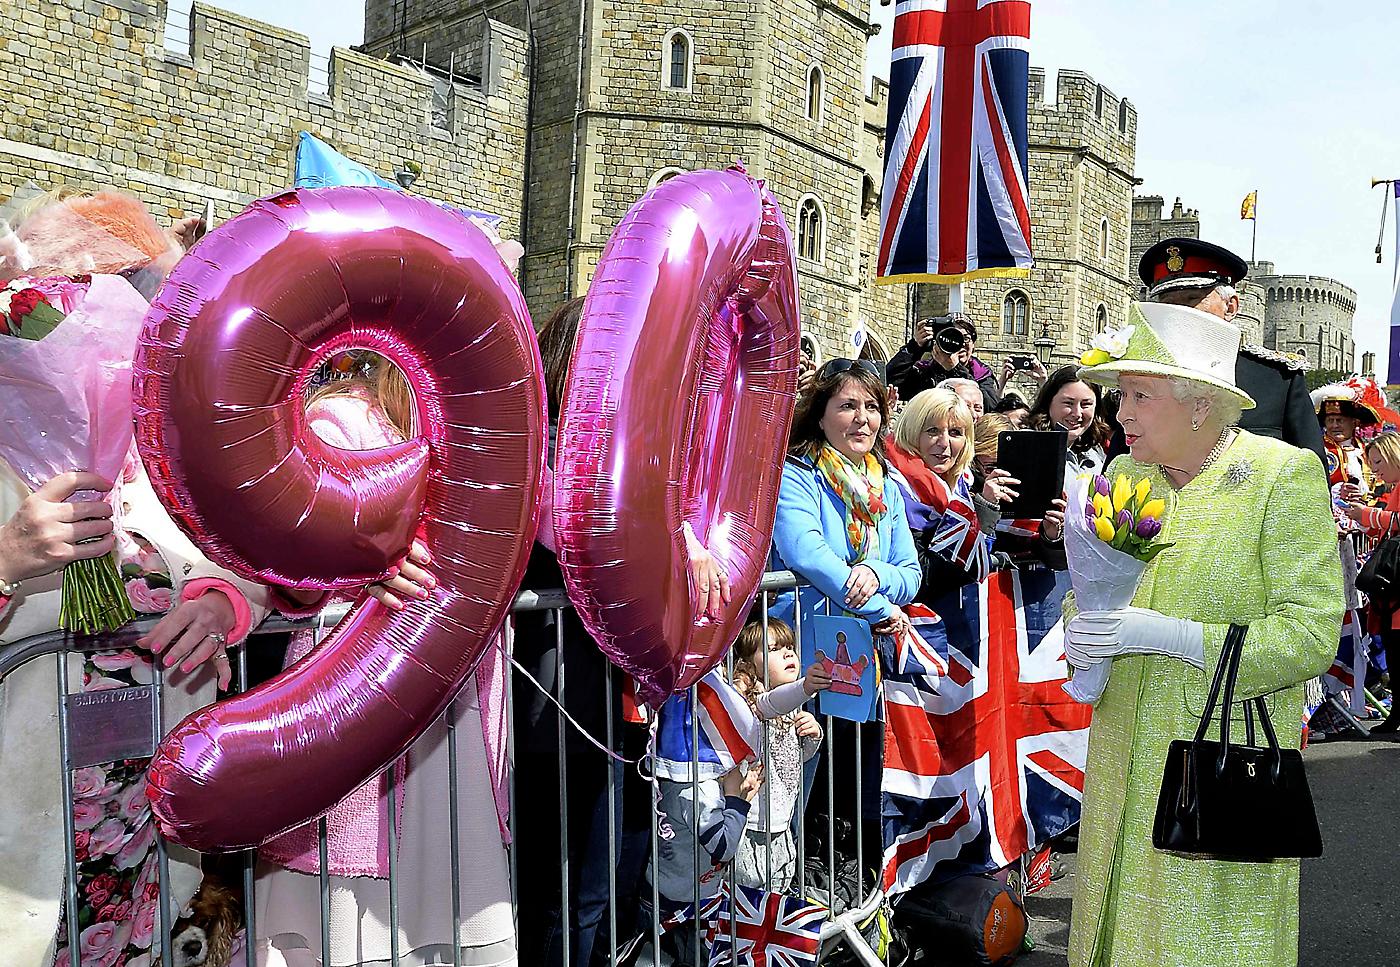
(1114, 342)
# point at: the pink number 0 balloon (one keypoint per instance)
(221, 370)
(678, 409)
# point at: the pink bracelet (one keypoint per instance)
(242, 614)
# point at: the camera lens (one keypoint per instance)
(951, 339)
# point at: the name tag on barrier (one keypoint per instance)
(111, 724)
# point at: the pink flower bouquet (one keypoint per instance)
(65, 378)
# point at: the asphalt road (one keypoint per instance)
(1350, 903)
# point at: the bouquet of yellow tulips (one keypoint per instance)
(1108, 547)
(1125, 516)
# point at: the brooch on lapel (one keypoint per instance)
(1238, 473)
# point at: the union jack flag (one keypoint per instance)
(768, 930)
(721, 731)
(986, 762)
(1349, 665)
(955, 203)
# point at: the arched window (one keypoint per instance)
(1123, 115)
(665, 174)
(811, 229)
(1103, 239)
(676, 56)
(1101, 318)
(1301, 333)
(809, 347)
(1015, 313)
(815, 90)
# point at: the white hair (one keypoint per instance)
(1226, 291)
(956, 383)
(1224, 406)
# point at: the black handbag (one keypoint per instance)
(1235, 802)
(1379, 577)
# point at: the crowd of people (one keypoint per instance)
(884, 463)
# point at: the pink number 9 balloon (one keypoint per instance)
(678, 410)
(221, 371)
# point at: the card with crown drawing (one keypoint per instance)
(847, 649)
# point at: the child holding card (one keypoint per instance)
(768, 679)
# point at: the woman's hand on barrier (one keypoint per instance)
(711, 580)
(1000, 488)
(861, 586)
(895, 625)
(193, 633)
(50, 531)
(744, 785)
(410, 580)
(806, 727)
(816, 679)
(1052, 526)
(1356, 512)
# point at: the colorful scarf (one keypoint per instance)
(861, 489)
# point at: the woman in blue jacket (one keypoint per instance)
(840, 522)
(841, 527)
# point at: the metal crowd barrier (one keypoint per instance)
(838, 929)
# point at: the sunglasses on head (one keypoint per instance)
(835, 367)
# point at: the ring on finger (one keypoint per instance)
(218, 638)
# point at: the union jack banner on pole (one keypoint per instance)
(955, 203)
(987, 761)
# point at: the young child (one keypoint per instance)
(723, 806)
(793, 737)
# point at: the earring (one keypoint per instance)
(1195, 426)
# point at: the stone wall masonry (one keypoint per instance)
(94, 99)
(1312, 315)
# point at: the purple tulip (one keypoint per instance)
(1101, 484)
(1124, 519)
(1148, 528)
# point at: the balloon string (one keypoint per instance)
(564, 712)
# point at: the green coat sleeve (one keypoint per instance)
(1297, 638)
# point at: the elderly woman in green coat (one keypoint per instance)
(1252, 542)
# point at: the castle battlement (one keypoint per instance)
(1083, 111)
(95, 97)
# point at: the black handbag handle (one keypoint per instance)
(1226, 673)
(1234, 640)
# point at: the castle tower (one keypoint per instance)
(629, 92)
(1310, 315)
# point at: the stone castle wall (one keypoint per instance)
(94, 98)
(1310, 315)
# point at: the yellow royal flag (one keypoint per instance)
(1247, 206)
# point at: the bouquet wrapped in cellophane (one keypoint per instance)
(1110, 537)
(66, 342)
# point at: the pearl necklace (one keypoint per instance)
(1216, 451)
(1214, 455)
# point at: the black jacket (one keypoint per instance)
(911, 374)
(1282, 408)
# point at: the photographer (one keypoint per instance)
(941, 349)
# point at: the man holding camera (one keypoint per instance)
(941, 349)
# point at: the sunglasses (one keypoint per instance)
(835, 367)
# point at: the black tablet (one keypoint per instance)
(1037, 459)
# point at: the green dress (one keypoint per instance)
(1255, 543)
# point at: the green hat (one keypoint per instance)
(1168, 340)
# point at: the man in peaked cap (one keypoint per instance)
(1190, 272)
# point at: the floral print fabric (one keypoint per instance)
(118, 890)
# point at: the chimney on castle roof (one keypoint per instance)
(1176, 208)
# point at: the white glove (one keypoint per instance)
(1095, 635)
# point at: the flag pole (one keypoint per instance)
(1254, 229)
